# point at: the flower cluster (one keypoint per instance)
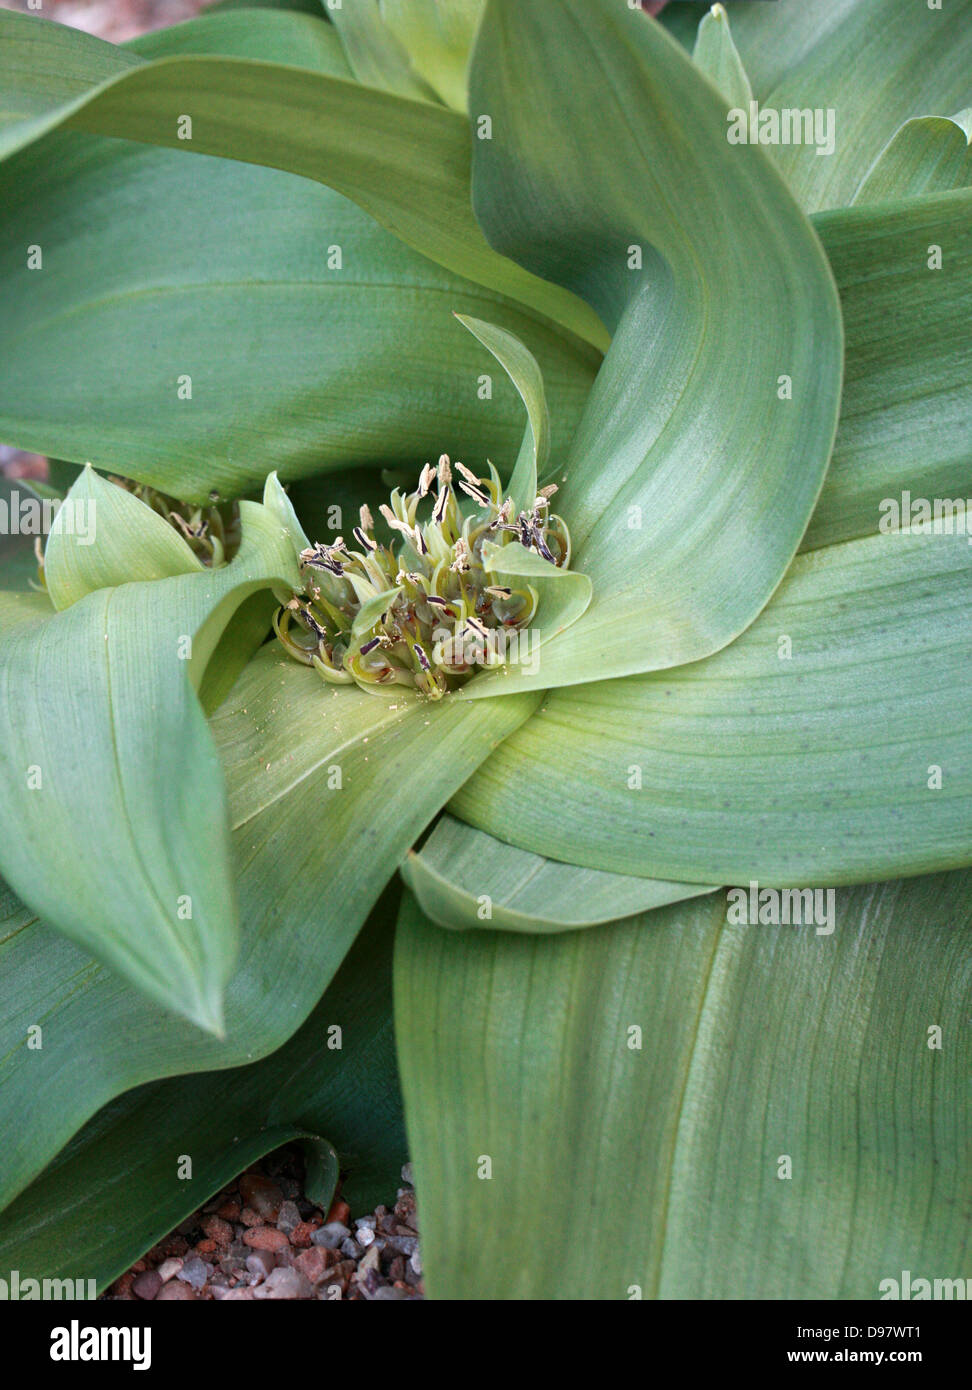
(430, 612)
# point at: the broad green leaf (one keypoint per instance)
(906, 60)
(717, 56)
(906, 417)
(524, 371)
(405, 162)
(465, 879)
(930, 154)
(438, 39)
(328, 788)
(135, 543)
(649, 1077)
(105, 753)
(832, 743)
(70, 1223)
(291, 363)
(705, 440)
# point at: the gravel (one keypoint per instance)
(261, 1238)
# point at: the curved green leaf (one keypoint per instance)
(907, 60)
(906, 416)
(70, 1222)
(717, 56)
(438, 39)
(374, 53)
(291, 364)
(831, 743)
(464, 879)
(707, 434)
(524, 371)
(328, 787)
(144, 879)
(697, 1055)
(930, 154)
(136, 544)
(404, 162)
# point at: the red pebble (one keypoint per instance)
(265, 1238)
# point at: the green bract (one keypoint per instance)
(659, 924)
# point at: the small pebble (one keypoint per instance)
(175, 1291)
(331, 1235)
(284, 1283)
(351, 1248)
(265, 1238)
(168, 1269)
(261, 1195)
(261, 1262)
(147, 1285)
(365, 1236)
(218, 1230)
(194, 1272)
(289, 1218)
(407, 1174)
(313, 1264)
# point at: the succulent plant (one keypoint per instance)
(580, 805)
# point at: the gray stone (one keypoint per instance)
(261, 1262)
(289, 1218)
(194, 1272)
(331, 1235)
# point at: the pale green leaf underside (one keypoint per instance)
(465, 879)
(692, 476)
(810, 751)
(405, 162)
(105, 753)
(309, 859)
(755, 1042)
(67, 1224)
